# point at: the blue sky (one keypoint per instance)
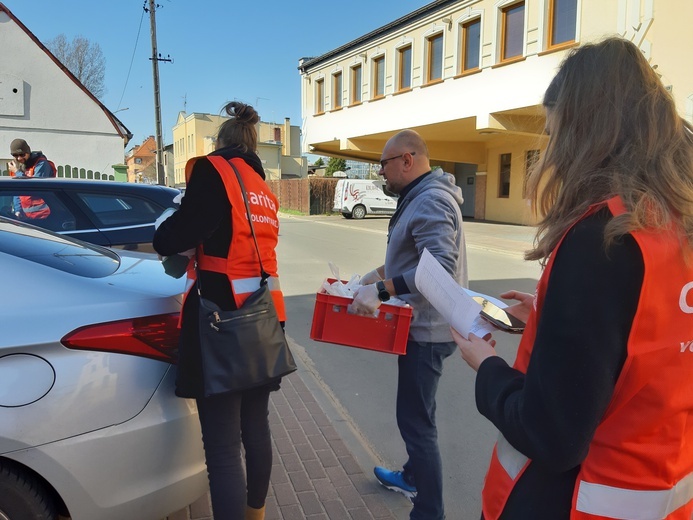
(222, 49)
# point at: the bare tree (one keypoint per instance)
(83, 58)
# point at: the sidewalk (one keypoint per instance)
(316, 474)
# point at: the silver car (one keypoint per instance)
(89, 424)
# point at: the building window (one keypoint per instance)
(562, 21)
(531, 159)
(512, 31)
(404, 78)
(471, 45)
(435, 58)
(337, 90)
(320, 96)
(504, 177)
(138, 160)
(379, 77)
(356, 84)
(278, 135)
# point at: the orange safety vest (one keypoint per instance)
(35, 207)
(241, 263)
(640, 461)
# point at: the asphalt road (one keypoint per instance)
(362, 383)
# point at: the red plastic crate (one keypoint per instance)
(386, 333)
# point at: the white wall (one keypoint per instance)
(55, 115)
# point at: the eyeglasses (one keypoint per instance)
(385, 161)
(18, 155)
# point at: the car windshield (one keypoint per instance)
(56, 251)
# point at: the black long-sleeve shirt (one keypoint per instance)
(551, 413)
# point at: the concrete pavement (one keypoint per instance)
(501, 238)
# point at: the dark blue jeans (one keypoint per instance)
(419, 372)
(226, 421)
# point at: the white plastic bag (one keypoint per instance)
(339, 288)
(346, 290)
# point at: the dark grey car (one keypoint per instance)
(112, 214)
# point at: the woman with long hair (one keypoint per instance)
(226, 255)
(596, 415)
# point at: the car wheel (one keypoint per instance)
(347, 215)
(358, 212)
(23, 496)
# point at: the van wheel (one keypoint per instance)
(345, 215)
(23, 496)
(358, 212)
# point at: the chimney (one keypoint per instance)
(286, 144)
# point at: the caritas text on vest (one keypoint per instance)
(262, 200)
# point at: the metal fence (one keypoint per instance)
(74, 172)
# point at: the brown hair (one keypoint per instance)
(240, 130)
(614, 131)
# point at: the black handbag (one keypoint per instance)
(245, 348)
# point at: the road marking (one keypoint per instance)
(334, 224)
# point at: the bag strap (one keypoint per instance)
(263, 274)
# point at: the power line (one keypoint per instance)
(137, 39)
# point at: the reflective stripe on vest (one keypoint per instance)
(242, 287)
(632, 504)
(250, 285)
(34, 207)
(512, 460)
(507, 465)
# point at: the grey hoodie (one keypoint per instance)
(428, 217)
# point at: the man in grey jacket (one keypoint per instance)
(428, 216)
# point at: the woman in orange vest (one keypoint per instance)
(596, 415)
(212, 219)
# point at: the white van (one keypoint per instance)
(358, 197)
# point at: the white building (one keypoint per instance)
(44, 104)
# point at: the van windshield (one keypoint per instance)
(389, 193)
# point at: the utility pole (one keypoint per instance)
(156, 58)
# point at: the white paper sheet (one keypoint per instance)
(481, 327)
(448, 298)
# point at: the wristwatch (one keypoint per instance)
(383, 295)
